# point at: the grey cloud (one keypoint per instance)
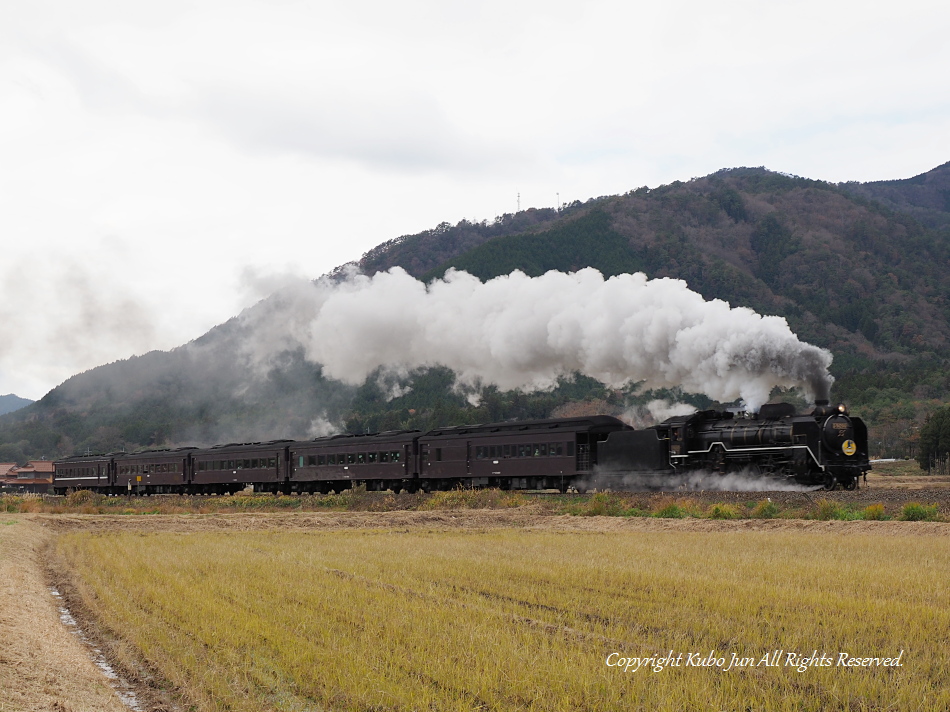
(399, 131)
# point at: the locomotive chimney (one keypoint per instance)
(822, 402)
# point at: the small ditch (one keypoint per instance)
(122, 687)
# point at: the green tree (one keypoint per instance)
(934, 437)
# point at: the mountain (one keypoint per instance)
(926, 196)
(864, 276)
(10, 403)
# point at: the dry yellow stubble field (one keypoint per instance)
(512, 619)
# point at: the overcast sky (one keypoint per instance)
(163, 163)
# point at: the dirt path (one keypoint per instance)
(43, 665)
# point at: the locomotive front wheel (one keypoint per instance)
(831, 482)
(850, 484)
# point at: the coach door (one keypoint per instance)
(583, 452)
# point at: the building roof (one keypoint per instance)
(42, 465)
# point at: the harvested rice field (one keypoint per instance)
(507, 611)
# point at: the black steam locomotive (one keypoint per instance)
(826, 447)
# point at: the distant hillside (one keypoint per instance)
(867, 280)
(10, 403)
(926, 197)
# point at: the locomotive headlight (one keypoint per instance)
(843, 409)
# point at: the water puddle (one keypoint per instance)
(122, 688)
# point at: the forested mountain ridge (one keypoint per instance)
(925, 196)
(849, 273)
(11, 402)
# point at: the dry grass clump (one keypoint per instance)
(473, 499)
(722, 511)
(916, 512)
(766, 509)
(677, 508)
(514, 620)
(603, 504)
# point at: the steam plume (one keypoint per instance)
(517, 331)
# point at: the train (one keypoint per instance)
(826, 447)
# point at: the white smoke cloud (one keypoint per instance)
(656, 411)
(516, 331)
(320, 427)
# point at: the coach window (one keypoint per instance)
(331, 459)
(322, 459)
(311, 460)
(300, 461)
(438, 454)
(360, 458)
(395, 456)
(544, 449)
(350, 458)
(560, 449)
(384, 457)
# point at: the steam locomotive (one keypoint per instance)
(826, 447)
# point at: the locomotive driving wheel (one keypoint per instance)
(831, 482)
(850, 484)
